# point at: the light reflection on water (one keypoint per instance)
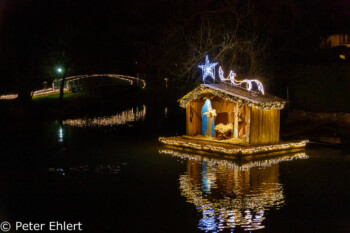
(108, 169)
(60, 134)
(230, 193)
(128, 116)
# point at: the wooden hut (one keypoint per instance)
(251, 120)
(255, 117)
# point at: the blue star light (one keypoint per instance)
(208, 68)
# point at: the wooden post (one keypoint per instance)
(247, 125)
(235, 126)
(188, 119)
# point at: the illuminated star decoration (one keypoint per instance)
(208, 69)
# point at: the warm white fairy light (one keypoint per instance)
(47, 91)
(9, 97)
(199, 90)
(232, 149)
(122, 118)
(53, 90)
(235, 164)
(247, 207)
(127, 78)
(208, 69)
(44, 91)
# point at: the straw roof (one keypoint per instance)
(234, 94)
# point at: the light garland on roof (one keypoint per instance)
(202, 88)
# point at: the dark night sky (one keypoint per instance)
(110, 36)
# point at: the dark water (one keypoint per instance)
(109, 173)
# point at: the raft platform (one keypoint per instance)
(238, 150)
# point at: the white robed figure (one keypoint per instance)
(208, 121)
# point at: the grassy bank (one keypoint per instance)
(74, 104)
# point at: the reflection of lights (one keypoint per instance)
(208, 223)
(267, 162)
(242, 192)
(122, 118)
(60, 134)
(166, 112)
(101, 169)
(208, 177)
(244, 210)
(52, 90)
(232, 149)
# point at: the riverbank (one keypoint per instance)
(74, 104)
(324, 128)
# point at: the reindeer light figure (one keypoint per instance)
(234, 82)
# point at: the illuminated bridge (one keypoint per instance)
(122, 79)
(72, 83)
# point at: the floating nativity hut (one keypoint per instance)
(226, 118)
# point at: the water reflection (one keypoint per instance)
(231, 193)
(130, 115)
(60, 134)
(108, 169)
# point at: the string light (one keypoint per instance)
(208, 69)
(202, 88)
(240, 165)
(234, 82)
(45, 91)
(122, 118)
(127, 78)
(9, 97)
(231, 149)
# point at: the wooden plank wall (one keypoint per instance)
(264, 126)
(193, 118)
